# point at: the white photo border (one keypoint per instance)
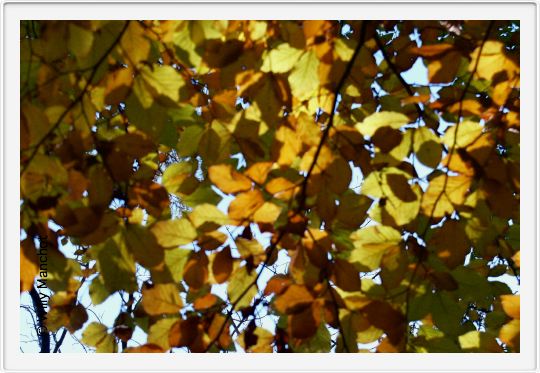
(14, 11)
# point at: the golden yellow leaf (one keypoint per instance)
(227, 179)
(259, 171)
(161, 299)
(492, 59)
(281, 188)
(510, 304)
(245, 205)
(295, 299)
(444, 194)
(510, 334)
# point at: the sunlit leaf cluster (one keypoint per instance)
(275, 186)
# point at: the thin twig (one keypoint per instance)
(394, 69)
(346, 73)
(77, 99)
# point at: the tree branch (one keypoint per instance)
(95, 69)
(339, 87)
(41, 314)
(394, 69)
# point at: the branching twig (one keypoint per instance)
(77, 99)
(348, 68)
(394, 69)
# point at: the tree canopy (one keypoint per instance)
(274, 186)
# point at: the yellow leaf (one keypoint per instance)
(401, 200)
(161, 299)
(281, 59)
(281, 188)
(80, 41)
(96, 335)
(245, 205)
(381, 119)
(492, 60)
(443, 196)
(156, 81)
(207, 217)
(286, 146)
(510, 304)
(510, 334)
(227, 179)
(172, 233)
(267, 215)
(304, 79)
(259, 171)
(467, 133)
(370, 244)
(158, 333)
(240, 289)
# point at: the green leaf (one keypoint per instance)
(381, 119)
(80, 41)
(143, 245)
(238, 283)
(320, 342)
(172, 233)
(447, 314)
(116, 266)
(156, 81)
(96, 335)
(421, 306)
(281, 59)
(427, 147)
(189, 140)
(175, 175)
(159, 332)
(98, 291)
(304, 79)
(203, 194)
(175, 260)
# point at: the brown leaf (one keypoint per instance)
(277, 284)
(304, 324)
(145, 348)
(245, 205)
(294, 299)
(222, 265)
(196, 270)
(184, 332)
(346, 275)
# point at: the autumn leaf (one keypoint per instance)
(355, 182)
(161, 299)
